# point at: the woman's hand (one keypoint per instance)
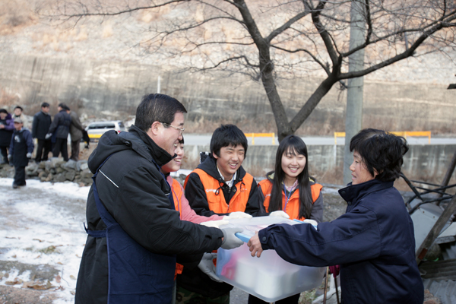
(255, 245)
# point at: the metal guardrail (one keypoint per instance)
(398, 133)
(253, 135)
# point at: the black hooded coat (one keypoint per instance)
(133, 191)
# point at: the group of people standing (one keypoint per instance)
(147, 233)
(16, 140)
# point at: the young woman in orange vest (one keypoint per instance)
(290, 189)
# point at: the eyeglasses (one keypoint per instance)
(170, 125)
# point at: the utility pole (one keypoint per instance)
(354, 110)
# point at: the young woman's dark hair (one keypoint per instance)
(380, 151)
(227, 135)
(296, 146)
(157, 107)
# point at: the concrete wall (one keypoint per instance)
(113, 90)
(422, 162)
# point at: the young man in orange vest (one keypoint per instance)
(218, 186)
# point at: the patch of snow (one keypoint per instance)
(38, 228)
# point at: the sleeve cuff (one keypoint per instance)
(263, 236)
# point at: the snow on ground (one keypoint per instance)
(42, 224)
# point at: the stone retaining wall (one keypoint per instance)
(54, 170)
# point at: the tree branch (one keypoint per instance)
(407, 53)
(307, 52)
(286, 25)
(328, 41)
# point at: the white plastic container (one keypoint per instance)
(269, 277)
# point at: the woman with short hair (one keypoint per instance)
(373, 241)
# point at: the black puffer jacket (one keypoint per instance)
(140, 206)
(61, 125)
(41, 123)
(21, 144)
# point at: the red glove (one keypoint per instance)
(334, 270)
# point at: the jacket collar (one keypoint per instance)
(353, 193)
(160, 156)
(136, 140)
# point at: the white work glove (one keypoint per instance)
(230, 241)
(10, 157)
(207, 266)
(279, 213)
(236, 215)
(215, 224)
(29, 155)
(49, 135)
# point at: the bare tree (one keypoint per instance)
(269, 40)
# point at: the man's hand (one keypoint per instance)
(29, 155)
(279, 213)
(237, 215)
(2, 126)
(255, 245)
(207, 266)
(49, 135)
(230, 241)
(215, 224)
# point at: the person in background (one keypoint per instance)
(220, 186)
(40, 126)
(21, 149)
(76, 129)
(373, 242)
(17, 112)
(289, 188)
(135, 235)
(59, 131)
(6, 131)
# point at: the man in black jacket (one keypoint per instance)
(21, 149)
(135, 234)
(41, 123)
(59, 130)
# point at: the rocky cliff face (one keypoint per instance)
(101, 67)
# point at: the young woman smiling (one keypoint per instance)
(290, 189)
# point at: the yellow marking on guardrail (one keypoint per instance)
(253, 135)
(338, 134)
(95, 136)
(397, 133)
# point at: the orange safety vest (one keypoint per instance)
(177, 195)
(292, 208)
(176, 189)
(215, 197)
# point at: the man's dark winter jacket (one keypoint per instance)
(373, 243)
(21, 144)
(194, 279)
(61, 125)
(140, 206)
(5, 133)
(41, 123)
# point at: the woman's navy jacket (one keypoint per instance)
(373, 242)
